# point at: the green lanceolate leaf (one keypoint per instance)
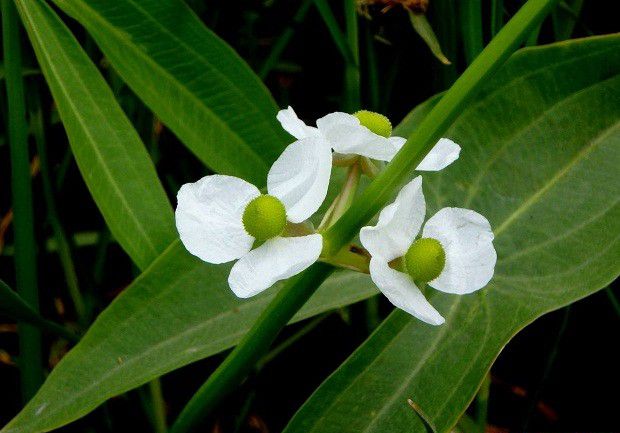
(178, 311)
(190, 78)
(541, 147)
(109, 153)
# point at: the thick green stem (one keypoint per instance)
(381, 190)
(252, 348)
(298, 290)
(30, 360)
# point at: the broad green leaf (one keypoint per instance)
(178, 311)
(541, 150)
(191, 79)
(108, 151)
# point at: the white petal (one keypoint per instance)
(467, 239)
(300, 177)
(346, 135)
(398, 223)
(209, 217)
(444, 153)
(277, 259)
(294, 126)
(400, 289)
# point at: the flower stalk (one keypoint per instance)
(344, 199)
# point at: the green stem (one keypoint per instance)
(344, 198)
(348, 258)
(62, 242)
(482, 404)
(251, 349)
(435, 123)
(30, 359)
(284, 39)
(352, 69)
(158, 405)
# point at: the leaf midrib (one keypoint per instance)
(534, 198)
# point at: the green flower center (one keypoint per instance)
(377, 123)
(425, 259)
(264, 217)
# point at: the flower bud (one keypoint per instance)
(377, 123)
(425, 259)
(264, 217)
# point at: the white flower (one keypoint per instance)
(213, 217)
(455, 250)
(347, 135)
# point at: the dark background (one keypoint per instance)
(559, 374)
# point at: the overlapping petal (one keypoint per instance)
(444, 153)
(467, 239)
(400, 289)
(209, 217)
(398, 223)
(277, 259)
(346, 135)
(294, 126)
(300, 177)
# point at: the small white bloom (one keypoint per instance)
(210, 218)
(347, 135)
(464, 246)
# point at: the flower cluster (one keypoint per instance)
(223, 218)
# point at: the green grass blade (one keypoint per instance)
(30, 363)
